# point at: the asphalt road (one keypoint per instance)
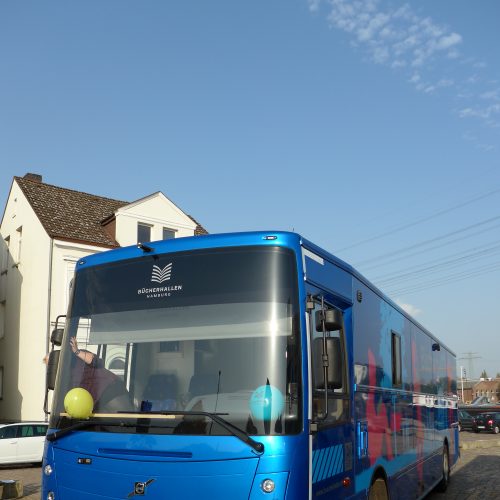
(476, 476)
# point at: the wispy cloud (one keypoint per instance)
(404, 38)
(426, 51)
(409, 308)
(472, 138)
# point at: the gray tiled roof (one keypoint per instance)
(72, 215)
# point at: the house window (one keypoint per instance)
(2, 319)
(170, 346)
(5, 255)
(3, 282)
(168, 234)
(68, 282)
(117, 364)
(396, 360)
(143, 233)
(19, 244)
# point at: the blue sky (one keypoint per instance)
(370, 127)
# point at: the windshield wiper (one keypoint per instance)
(86, 423)
(216, 417)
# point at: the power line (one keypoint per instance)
(421, 220)
(406, 255)
(452, 278)
(473, 273)
(441, 264)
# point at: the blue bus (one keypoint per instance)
(243, 366)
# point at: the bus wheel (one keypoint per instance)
(445, 479)
(378, 490)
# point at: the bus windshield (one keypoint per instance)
(183, 335)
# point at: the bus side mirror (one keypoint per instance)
(332, 318)
(57, 336)
(334, 353)
(52, 364)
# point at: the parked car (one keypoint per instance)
(464, 421)
(22, 442)
(486, 422)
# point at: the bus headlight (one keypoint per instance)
(50, 495)
(267, 486)
(274, 483)
(47, 470)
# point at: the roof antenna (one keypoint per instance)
(144, 247)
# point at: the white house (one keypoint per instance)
(44, 231)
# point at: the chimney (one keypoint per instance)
(33, 177)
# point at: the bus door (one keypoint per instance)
(331, 460)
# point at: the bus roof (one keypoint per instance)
(281, 238)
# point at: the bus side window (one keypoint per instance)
(338, 397)
(397, 380)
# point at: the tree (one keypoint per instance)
(484, 374)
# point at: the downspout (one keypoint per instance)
(49, 295)
(49, 300)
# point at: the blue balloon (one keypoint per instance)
(266, 403)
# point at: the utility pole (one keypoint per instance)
(470, 356)
(462, 378)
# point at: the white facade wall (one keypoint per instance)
(25, 310)
(65, 255)
(45, 269)
(158, 212)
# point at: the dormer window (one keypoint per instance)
(168, 234)
(143, 233)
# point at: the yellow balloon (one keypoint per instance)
(79, 403)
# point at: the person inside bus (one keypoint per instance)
(107, 389)
(160, 392)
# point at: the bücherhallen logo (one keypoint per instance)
(160, 275)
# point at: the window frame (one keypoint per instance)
(396, 360)
(144, 225)
(26, 431)
(17, 262)
(5, 256)
(8, 427)
(343, 394)
(170, 230)
(40, 430)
